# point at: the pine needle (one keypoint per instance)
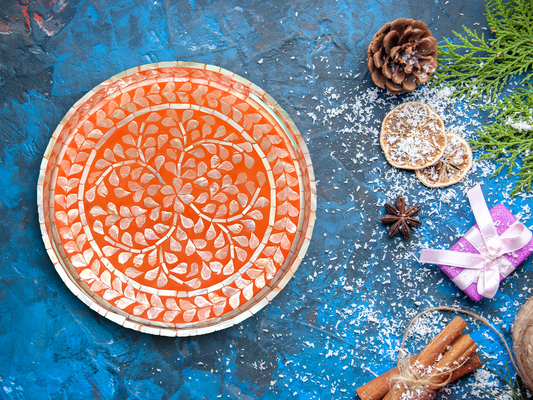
(508, 141)
(517, 390)
(479, 67)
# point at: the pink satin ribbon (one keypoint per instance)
(487, 266)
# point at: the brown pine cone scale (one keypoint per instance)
(402, 55)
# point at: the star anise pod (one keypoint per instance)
(400, 219)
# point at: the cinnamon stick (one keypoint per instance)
(455, 357)
(438, 346)
(470, 356)
(377, 388)
(461, 349)
(472, 364)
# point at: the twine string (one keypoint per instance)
(420, 384)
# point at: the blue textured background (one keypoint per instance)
(341, 317)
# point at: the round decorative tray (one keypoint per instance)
(176, 198)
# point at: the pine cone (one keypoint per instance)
(402, 55)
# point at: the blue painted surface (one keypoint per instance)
(341, 317)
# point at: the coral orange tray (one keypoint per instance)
(176, 199)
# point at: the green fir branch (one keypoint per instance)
(517, 388)
(478, 67)
(508, 141)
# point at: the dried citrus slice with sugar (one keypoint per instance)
(452, 167)
(413, 136)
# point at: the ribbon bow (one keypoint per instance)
(487, 266)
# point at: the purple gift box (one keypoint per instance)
(503, 219)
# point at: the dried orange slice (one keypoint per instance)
(452, 167)
(413, 136)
